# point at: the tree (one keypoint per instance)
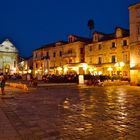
(90, 26)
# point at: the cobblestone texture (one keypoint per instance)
(71, 113)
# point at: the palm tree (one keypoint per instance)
(90, 26)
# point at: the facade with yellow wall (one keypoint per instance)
(134, 16)
(109, 54)
(60, 57)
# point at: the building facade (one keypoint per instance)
(109, 54)
(134, 16)
(60, 57)
(106, 54)
(8, 58)
(116, 54)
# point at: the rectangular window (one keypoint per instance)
(60, 53)
(99, 60)
(113, 45)
(99, 47)
(124, 42)
(113, 59)
(47, 54)
(54, 54)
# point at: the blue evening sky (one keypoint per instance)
(29, 24)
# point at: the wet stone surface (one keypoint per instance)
(71, 113)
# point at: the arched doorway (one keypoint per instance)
(6, 69)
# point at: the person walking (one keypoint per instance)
(2, 84)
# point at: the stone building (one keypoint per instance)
(8, 58)
(60, 57)
(109, 54)
(112, 54)
(134, 16)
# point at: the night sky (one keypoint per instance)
(29, 24)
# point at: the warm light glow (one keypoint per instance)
(119, 64)
(46, 71)
(84, 66)
(59, 69)
(65, 69)
(14, 69)
(24, 72)
(100, 72)
(132, 65)
(90, 70)
(29, 71)
(122, 64)
(109, 69)
(81, 79)
(95, 69)
(36, 71)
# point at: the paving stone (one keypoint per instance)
(95, 113)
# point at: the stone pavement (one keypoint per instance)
(71, 113)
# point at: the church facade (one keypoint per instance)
(8, 58)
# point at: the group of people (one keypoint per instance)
(2, 83)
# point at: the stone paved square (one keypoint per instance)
(71, 113)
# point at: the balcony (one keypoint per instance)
(68, 55)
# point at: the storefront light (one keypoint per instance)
(59, 69)
(84, 66)
(29, 71)
(65, 69)
(109, 69)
